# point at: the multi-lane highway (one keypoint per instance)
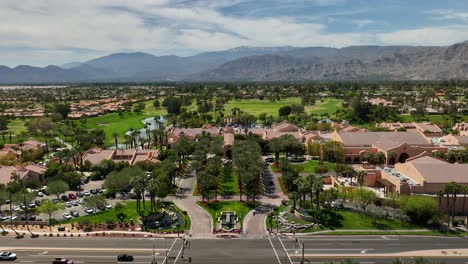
(273, 250)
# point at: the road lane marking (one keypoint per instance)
(167, 253)
(274, 250)
(285, 251)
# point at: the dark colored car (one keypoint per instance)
(45, 192)
(79, 194)
(55, 200)
(125, 257)
(100, 190)
(93, 191)
(101, 207)
(37, 202)
(72, 196)
(270, 160)
(64, 198)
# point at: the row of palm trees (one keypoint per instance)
(134, 139)
(451, 191)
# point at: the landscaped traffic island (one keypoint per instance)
(169, 218)
(228, 216)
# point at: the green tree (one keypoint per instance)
(94, 202)
(284, 110)
(276, 146)
(57, 187)
(119, 181)
(419, 209)
(363, 197)
(49, 207)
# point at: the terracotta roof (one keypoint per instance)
(434, 170)
(383, 140)
(97, 155)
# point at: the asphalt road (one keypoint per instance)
(272, 250)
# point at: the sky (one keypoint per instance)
(54, 32)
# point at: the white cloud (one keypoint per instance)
(438, 36)
(448, 14)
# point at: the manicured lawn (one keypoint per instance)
(282, 186)
(215, 209)
(256, 106)
(350, 220)
(353, 220)
(112, 122)
(17, 125)
(129, 210)
(310, 166)
(327, 106)
(151, 111)
(228, 183)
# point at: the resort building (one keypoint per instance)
(25, 173)
(396, 146)
(132, 156)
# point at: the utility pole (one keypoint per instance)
(302, 261)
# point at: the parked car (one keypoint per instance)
(32, 205)
(16, 208)
(93, 191)
(100, 190)
(125, 257)
(270, 160)
(72, 196)
(75, 203)
(7, 256)
(79, 194)
(40, 194)
(108, 206)
(101, 207)
(89, 210)
(67, 216)
(55, 200)
(64, 198)
(62, 261)
(37, 202)
(74, 213)
(45, 192)
(68, 204)
(87, 193)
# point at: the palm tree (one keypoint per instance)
(302, 188)
(465, 191)
(317, 188)
(451, 190)
(360, 177)
(398, 261)
(115, 135)
(276, 146)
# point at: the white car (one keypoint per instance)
(87, 193)
(16, 208)
(7, 256)
(89, 210)
(40, 194)
(67, 216)
(108, 206)
(68, 204)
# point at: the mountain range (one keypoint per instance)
(259, 64)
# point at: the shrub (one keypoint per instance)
(420, 209)
(83, 221)
(53, 221)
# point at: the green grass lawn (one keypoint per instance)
(350, 220)
(228, 183)
(328, 106)
(129, 210)
(282, 186)
(215, 209)
(17, 125)
(112, 122)
(257, 106)
(309, 167)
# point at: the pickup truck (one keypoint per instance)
(62, 261)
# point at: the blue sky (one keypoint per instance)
(43, 32)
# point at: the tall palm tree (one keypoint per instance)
(115, 135)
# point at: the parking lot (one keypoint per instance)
(72, 201)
